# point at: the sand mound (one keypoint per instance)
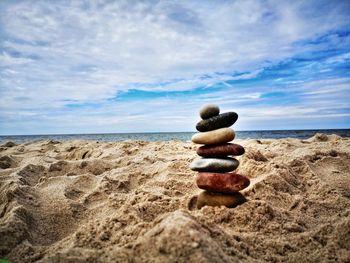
(83, 201)
(321, 137)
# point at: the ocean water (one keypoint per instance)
(167, 136)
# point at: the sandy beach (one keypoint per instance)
(134, 201)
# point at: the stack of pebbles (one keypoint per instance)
(215, 168)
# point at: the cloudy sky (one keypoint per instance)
(143, 66)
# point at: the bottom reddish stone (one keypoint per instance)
(222, 182)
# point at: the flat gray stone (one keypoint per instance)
(214, 165)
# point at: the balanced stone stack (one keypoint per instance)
(215, 168)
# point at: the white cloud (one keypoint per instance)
(8, 60)
(339, 59)
(89, 51)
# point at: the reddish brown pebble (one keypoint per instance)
(220, 150)
(222, 182)
(216, 199)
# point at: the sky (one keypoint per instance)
(149, 66)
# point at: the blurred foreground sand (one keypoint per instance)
(133, 201)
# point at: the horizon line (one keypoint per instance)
(56, 134)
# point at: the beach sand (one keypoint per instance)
(134, 201)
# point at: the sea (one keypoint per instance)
(167, 136)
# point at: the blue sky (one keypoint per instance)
(143, 66)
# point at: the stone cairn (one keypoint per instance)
(215, 168)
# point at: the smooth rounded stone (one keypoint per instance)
(218, 136)
(214, 165)
(221, 121)
(222, 182)
(216, 199)
(220, 150)
(208, 111)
